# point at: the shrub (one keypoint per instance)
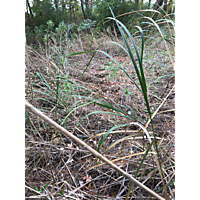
(119, 7)
(39, 32)
(86, 25)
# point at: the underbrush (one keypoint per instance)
(117, 97)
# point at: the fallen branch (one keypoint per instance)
(94, 152)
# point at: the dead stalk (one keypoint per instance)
(94, 152)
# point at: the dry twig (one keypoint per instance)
(94, 152)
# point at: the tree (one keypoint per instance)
(70, 10)
(63, 3)
(29, 7)
(165, 5)
(158, 4)
(91, 4)
(56, 4)
(137, 2)
(101, 11)
(86, 3)
(83, 9)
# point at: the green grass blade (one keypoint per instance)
(108, 132)
(73, 54)
(166, 186)
(91, 48)
(130, 51)
(127, 31)
(109, 106)
(119, 46)
(45, 82)
(121, 69)
(90, 61)
(144, 156)
(138, 169)
(141, 58)
(102, 112)
(127, 45)
(79, 86)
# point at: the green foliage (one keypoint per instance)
(119, 7)
(29, 33)
(49, 30)
(61, 32)
(44, 11)
(42, 188)
(39, 32)
(88, 12)
(60, 37)
(127, 92)
(73, 27)
(86, 25)
(50, 25)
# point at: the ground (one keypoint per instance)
(64, 165)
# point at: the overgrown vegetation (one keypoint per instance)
(112, 88)
(82, 16)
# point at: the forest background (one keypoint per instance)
(81, 15)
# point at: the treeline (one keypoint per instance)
(81, 15)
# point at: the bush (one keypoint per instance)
(44, 11)
(86, 25)
(44, 32)
(29, 33)
(39, 32)
(102, 10)
(73, 27)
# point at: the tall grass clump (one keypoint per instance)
(131, 49)
(70, 96)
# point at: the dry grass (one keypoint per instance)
(64, 164)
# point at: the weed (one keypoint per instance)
(41, 188)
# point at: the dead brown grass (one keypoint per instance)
(63, 163)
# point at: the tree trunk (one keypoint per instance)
(149, 4)
(70, 12)
(83, 9)
(91, 5)
(56, 4)
(63, 6)
(86, 3)
(165, 6)
(74, 14)
(29, 7)
(158, 4)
